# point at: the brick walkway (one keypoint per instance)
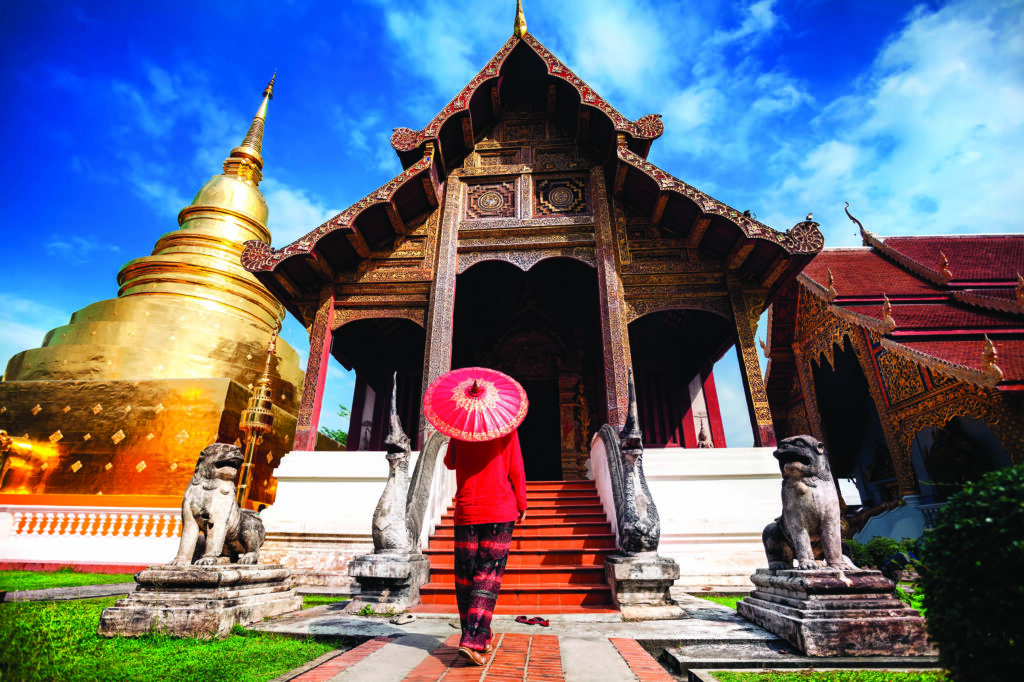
(516, 658)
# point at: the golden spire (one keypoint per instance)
(519, 28)
(257, 419)
(246, 160)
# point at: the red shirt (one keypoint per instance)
(491, 480)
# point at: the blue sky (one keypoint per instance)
(116, 113)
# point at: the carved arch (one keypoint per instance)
(526, 260)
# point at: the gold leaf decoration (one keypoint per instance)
(174, 466)
(76, 466)
(44, 466)
(36, 410)
(140, 466)
(150, 436)
(56, 436)
(87, 437)
(118, 437)
(181, 437)
(97, 408)
(159, 408)
(108, 466)
(67, 408)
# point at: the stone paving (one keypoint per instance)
(575, 648)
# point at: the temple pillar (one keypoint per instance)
(899, 445)
(750, 368)
(437, 358)
(316, 372)
(614, 334)
(810, 394)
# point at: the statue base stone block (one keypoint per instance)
(829, 612)
(201, 601)
(640, 586)
(389, 581)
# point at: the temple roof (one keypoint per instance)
(524, 66)
(947, 297)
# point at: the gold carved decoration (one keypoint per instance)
(944, 267)
(988, 361)
(902, 379)
(888, 324)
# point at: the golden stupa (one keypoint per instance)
(121, 400)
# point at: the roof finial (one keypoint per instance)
(519, 28)
(1020, 291)
(246, 160)
(944, 267)
(830, 291)
(864, 234)
(888, 323)
(988, 361)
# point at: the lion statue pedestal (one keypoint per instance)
(825, 605)
(201, 601)
(215, 582)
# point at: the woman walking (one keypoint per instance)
(480, 410)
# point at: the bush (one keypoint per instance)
(859, 553)
(971, 567)
(878, 550)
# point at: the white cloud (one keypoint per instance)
(24, 323)
(77, 248)
(759, 20)
(292, 212)
(931, 139)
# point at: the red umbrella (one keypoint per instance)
(475, 404)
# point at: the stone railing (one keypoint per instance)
(930, 511)
(431, 489)
(88, 535)
(94, 522)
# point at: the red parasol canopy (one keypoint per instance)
(475, 404)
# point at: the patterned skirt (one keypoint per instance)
(481, 551)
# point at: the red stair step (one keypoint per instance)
(537, 541)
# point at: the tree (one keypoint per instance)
(339, 436)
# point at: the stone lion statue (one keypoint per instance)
(212, 523)
(809, 528)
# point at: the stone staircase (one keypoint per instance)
(555, 562)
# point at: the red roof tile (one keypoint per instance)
(865, 272)
(972, 258)
(939, 316)
(968, 353)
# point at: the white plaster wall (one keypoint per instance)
(328, 492)
(714, 503)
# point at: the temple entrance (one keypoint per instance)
(541, 327)
(539, 434)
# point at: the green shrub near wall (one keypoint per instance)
(972, 575)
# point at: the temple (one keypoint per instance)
(120, 401)
(528, 233)
(905, 356)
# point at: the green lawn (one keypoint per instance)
(11, 581)
(311, 600)
(829, 676)
(724, 601)
(57, 641)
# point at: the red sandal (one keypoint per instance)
(537, 620)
